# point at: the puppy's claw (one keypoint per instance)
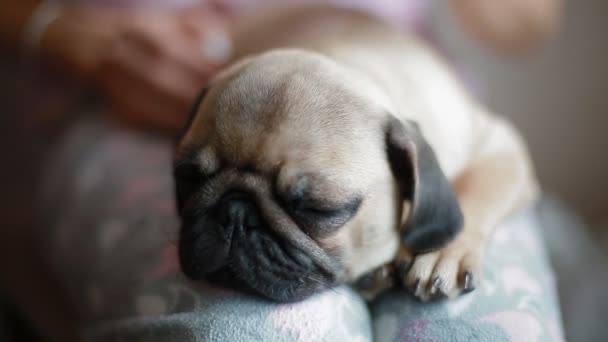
(449, 271)
(417, 288)
(435, 287)
(468, 282)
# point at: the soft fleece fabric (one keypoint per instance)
(110, 229)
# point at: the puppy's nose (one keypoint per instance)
(238, 210)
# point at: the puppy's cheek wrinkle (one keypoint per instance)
(273, 269)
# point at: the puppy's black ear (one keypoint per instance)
(193, 110)
(435, 216)
(183, 183)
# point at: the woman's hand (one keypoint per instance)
(149, 64)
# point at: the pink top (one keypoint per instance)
(405, 14)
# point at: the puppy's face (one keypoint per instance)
(283, 181)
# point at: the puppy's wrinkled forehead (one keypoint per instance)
(283, 106)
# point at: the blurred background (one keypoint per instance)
(554, 92)
(556, 96)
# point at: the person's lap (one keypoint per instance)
(109, 213)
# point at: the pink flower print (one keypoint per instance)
(414, 331)
(519, 326)
(515, 278)
(168, 264)
(137, 189)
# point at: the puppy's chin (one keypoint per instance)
(251, 260)
(275, 289)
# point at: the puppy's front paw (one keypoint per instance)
(447, 272)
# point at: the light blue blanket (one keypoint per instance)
(110, 228)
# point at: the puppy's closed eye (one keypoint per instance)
(322, 219)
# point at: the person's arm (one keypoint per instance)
(67, 35)
(14, 14)
(149, 64)
(80, 38)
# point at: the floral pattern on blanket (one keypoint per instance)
(515, 300)
(110, 238)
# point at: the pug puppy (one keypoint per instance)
(334, 146)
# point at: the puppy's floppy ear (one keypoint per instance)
(194, 109)
(435, 216)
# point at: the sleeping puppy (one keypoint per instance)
(334, 149)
